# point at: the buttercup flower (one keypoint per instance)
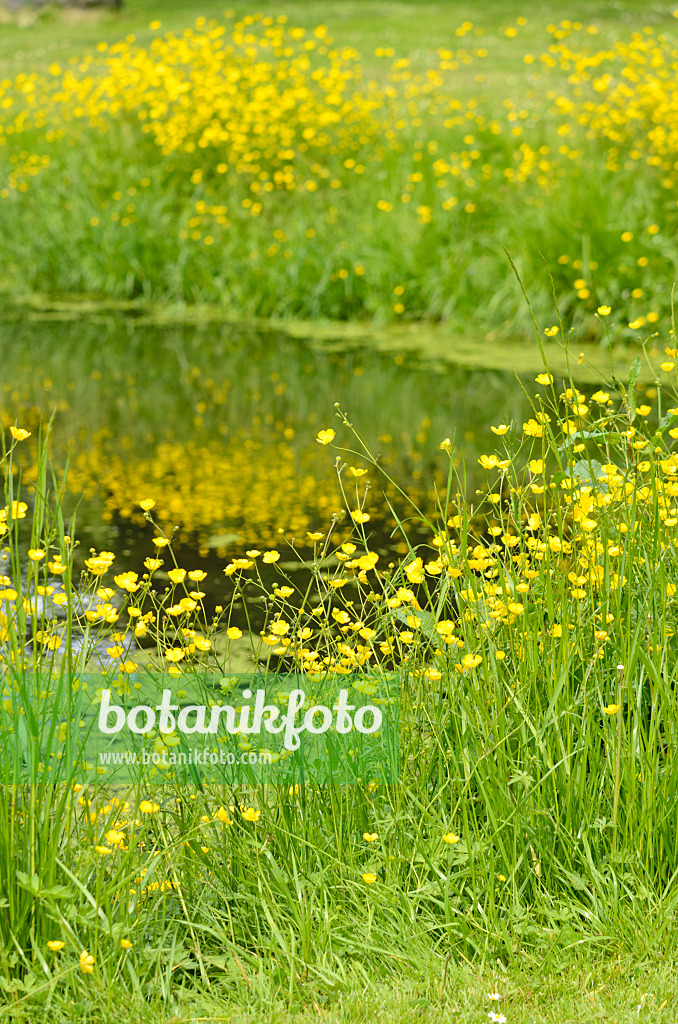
(86, 962)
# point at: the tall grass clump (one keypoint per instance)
(533, 639)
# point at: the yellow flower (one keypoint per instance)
(666, 367)
(544, 378)
(233, 633)
(55, 945)
(446, 445)
(147, 504)
(369, 878)
(359, 517)
(270, 557)
(250, 814)
(148, 807)
(125, 943)
(175, 654)
(611, 709)
(152, 564)
(222, 815)
(550, 332)
(325, 436)
(177, 575)
(503, 428)
(103, 851)
(536, 466)
(604, 310)
(369, 837)
(19, 434)
(86, 962)
(115, 838)
(533, 429)
(357, 473)
(450, 837)
(36, 554)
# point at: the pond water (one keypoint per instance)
(218, 424)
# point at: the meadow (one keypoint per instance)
(284, 166)
(531, 833)
(190, 496)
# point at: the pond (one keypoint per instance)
(217, 423)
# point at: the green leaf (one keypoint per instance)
(585, 469)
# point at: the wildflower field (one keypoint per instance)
(493, 561)
(278, 169)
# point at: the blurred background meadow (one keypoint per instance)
(248, 257)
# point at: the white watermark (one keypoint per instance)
(246, 720)
(172, 758)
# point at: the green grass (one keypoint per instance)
(577, 990)
(452, 269)
(410, 26)
(529, 846)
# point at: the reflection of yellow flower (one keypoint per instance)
(325, 436)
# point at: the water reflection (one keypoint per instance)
(218, 425)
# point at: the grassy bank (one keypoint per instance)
(533, 824)
(279, 165)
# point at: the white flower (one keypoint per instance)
(497, 1018)
(494, 996)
